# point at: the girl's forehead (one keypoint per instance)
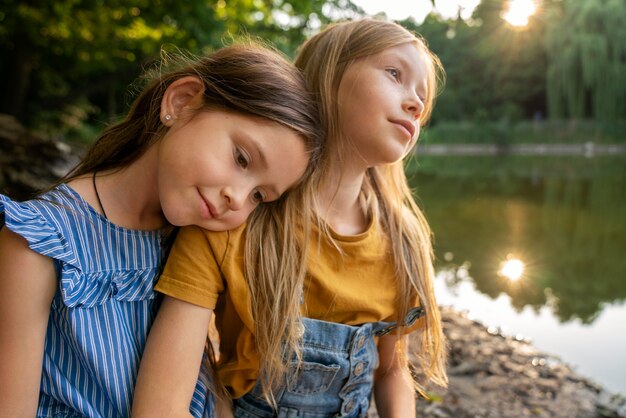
(407, 53)
(408, 50)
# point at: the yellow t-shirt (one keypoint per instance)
(351, 288)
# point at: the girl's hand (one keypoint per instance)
(27, 286)
(171, 360)
(393, 384)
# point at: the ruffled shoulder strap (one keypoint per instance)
(45, 225)
(28, 220)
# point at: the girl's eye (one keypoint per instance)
(258, 196)
(241, 158)
(395, 73)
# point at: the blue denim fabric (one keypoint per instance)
(335, 378)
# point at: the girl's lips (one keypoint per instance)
(407, 126)
(206, 209)
(212, 210)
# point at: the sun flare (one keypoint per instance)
(519, 11)
(512, 269)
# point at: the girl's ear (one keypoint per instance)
(183, 94)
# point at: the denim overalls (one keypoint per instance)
(336, 375)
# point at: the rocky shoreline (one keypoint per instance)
(30, 163)
(492, 375)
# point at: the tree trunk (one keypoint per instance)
(19, 66)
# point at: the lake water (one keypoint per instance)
(563, 221)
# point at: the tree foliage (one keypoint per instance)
(587, 68)
(568, 62)
(64, 59)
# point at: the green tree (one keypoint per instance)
(64, 59)
(587, 59)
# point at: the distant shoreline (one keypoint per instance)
(587, 149)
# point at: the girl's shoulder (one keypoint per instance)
(34, 219)
(59, 199)
(64, 209)
(49, 216)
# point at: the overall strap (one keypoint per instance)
(412, 315)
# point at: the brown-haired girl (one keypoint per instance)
(204, 144)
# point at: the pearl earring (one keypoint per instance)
(167, 117)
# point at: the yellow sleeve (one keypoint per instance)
(192, 271)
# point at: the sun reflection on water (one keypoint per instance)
(512, 269)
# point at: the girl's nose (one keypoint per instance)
(413, 105)
(235, 197)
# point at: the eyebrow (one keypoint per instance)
(394, 55)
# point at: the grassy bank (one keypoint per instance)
(517, 166)
(525, 132)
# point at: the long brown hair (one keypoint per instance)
(276, 284)
(244, 77)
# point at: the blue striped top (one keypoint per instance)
(103, 307)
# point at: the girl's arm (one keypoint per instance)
(171, 360)
(393, 384)
(27, 286)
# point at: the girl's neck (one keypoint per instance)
(339, 203)
(129, 195)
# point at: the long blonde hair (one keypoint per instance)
(275, 267)
(323, 59)
(277, 235)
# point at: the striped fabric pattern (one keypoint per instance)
(102, 310)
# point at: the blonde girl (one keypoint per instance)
(203, 144)
(317, 343)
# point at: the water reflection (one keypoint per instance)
(512, 268)
(563, 218)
